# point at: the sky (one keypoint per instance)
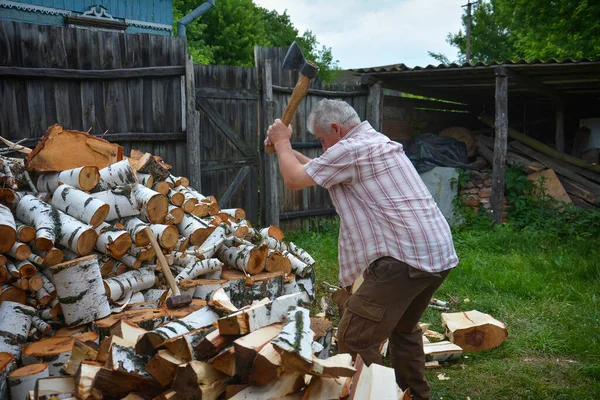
(368, 33)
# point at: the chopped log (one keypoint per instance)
(143, 253)
(122, 202)
(25, 233)
(249, 259)
(113, 241)
(178, 181)
(3, 275)
(155, 338)
(51, 257)
(149, 165)
(247, 347)
(127, 331)
(154, 206)
(54, 351)
(38, 214)
(195, 228)
(237, 214)
(272, 231)
(83, 178)
(212, 344)
(164, 366)
(201, 288)
(55, 387)
(35, 259)
(176, 214)
(36, 283)
(26, 269)
(128, 283)
(220, 302)
(176, 198)
(41, 325)
(199, 380)
(267, 366)
(552, 185)
(288, 383)
(84, 378)
(183, 347)
(155, 296)
(474, 330)
(135, 227)
(273, 243)
(166, 235)
(224, 361)
(52, 312)
(11, 267)
(161, 187)
(258, 316)
(106, 346)
(114, 175)
(339, 365)
(79, 353)
(82, 300)
(373, 382)
(81, 147)
(7, 364)
(19, 251)
(14, 327)
(131, 261)
(324, 389)
(301, 254)
(212, 243)
(145, 179)
(441, 351)
(294, 343)
(80, 205)
(278, 262)
(147, 318)
(119, 384)
(299, 267)
(233, 389)
(124, 359)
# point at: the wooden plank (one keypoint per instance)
(307, 213)
(559, 136)
(318, 92)
(224, 127)
(375, 106)
(270, 179)
(99, 74)
(228, 164)
(221, 93)
(500, 144)
(194, 147)
(234, 186)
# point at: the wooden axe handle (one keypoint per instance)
(162, 261)
(298, 94)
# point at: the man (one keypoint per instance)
(391, 232)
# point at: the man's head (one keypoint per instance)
(331, 120)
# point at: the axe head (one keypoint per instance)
(294, 60)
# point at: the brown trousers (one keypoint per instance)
(389, 304)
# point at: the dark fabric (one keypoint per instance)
(429, 151)
(389, 304)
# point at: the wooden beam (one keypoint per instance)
(532, 84)
(560, 126)
(228, 164)
(234, 186)
(270, 179)
(500, 144)
(221, 93)
(93, 74)
(324, 93)
(128, 137)
(375, 106)
(194, 140)
(307, 213)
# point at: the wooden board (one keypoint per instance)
(552, 184)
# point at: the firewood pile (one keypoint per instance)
(567, 178)
(82, 298)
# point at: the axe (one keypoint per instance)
(295, 61)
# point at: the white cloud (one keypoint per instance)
(366, 33)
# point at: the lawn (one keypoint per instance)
(545, 288)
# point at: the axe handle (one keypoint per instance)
(298, 94)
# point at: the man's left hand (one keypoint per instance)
(279, 132)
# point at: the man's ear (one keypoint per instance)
(337, 129)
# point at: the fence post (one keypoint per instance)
(194, 147)
(500, 144)
(375, 105)
(270, 193)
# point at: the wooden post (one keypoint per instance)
(560, 126)
(194, 142)
(375, 105)
(270, 180)
(500, 144)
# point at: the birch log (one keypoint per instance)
(38, 214)
(8, 229)
(199, 267)
(130, 261)
(155, 296)
(129, 282)
(301, 254)
(249, 259)
(176, 214)
(135, 227)
(122, 202)
(25, 268)
(236, 213)
(298, 266)
(7, 364)
(113, 241)
(278, 262)
(80, 290)
(117, 174)
(195, 228)
(75, 235)
(213, 207)
(161, 187)
(124, 359)
(11, 293)
(176, 198)
(166, 235)
(272, 231)
(84, 178)
(153, 206)
(189, 200)
(22, 380)
(51, 257)
(145, 179)
(25, 233)
(294, 343)
(154, 339)
(80, 205)
(143, 253)
(19, 251)
(14, 327)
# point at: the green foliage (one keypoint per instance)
(530, 29)
(228, 33)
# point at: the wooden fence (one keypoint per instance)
(142, 91)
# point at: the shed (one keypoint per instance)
(131, 16)
(547, 100)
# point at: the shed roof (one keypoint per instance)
(471, 83)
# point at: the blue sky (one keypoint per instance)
(365, 33)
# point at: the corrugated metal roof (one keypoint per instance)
(403, 67)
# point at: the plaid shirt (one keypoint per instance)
(384, 207)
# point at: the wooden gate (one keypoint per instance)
(227, 99)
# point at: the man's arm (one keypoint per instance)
(301, 157)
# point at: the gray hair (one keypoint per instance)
(327, 112)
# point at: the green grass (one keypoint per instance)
(547, 291)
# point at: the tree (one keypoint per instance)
(227, 34)
(531, 29)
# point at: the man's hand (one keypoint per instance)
(278, 132)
